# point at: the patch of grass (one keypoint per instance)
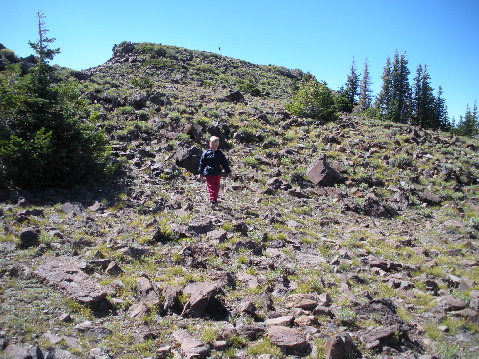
(264, 346)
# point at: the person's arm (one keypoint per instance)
(225, 164)
(202, 165)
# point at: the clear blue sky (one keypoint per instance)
(318, 36)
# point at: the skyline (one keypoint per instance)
(313, 36)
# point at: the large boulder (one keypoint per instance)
(65, 274)
(202, 300)
(290, 340)
(322, 174)
(191, 347)
(188, 158)
(342, 346)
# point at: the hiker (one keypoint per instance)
(211, 163)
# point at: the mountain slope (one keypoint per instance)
(383, 262)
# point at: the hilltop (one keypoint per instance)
(378, 257)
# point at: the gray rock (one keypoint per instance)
(64, 273)
(191, 347)
(290, 340)
(15, 352)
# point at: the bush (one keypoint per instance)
(314, 100)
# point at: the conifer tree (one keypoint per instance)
(352, 85)
(440, 112)
(424, 111)
(365, 88)
(468, 125)
(384, 98)
(45, 136)
(400, 107)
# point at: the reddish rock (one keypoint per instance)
(303, 301)
(290, 340)
(191, 347)
(64, 273)
(342, 346)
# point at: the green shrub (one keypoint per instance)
(250, 88)
(44, 139)
(125, 110)
(143, 83)
(401, 161)
(314, 100)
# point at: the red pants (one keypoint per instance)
(213, 186)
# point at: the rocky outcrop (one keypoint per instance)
(64, 273)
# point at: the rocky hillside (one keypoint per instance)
(357, 238)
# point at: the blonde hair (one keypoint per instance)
(214, 139)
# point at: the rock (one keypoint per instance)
(233, 97)
(191, 347)
(303, 301)
(282, 321)
(218, 235)
(15, 352)
(113, 269)
(29, 237)
(450, 303)
(342, 346)
(322, 310)
(429, 198)
(148, 298)
(98, 353)
(384, 308)
(374, 208)
(289, 339)
(250, 331)
(188, 158)
(246, 307)
(3, 340)
(202, 300)
(322, 174)
(306, 321)
(64, 273)
(171, 303)
(377, 338)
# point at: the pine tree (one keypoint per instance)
(383, 101)
(365, 88)
(424, 106)
(351, 87)
(400, 106)
(44, 137)
(440, 112)
(468, 125)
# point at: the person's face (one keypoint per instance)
(214, 145)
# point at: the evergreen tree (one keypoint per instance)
(440, 112)
(365, 88)
(352, 85)
(424, 106)
(468, 126)
(383, 101)
(44, 137)
(400, 106)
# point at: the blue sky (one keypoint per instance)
(321, 37)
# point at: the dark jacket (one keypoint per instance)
(211, 163)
